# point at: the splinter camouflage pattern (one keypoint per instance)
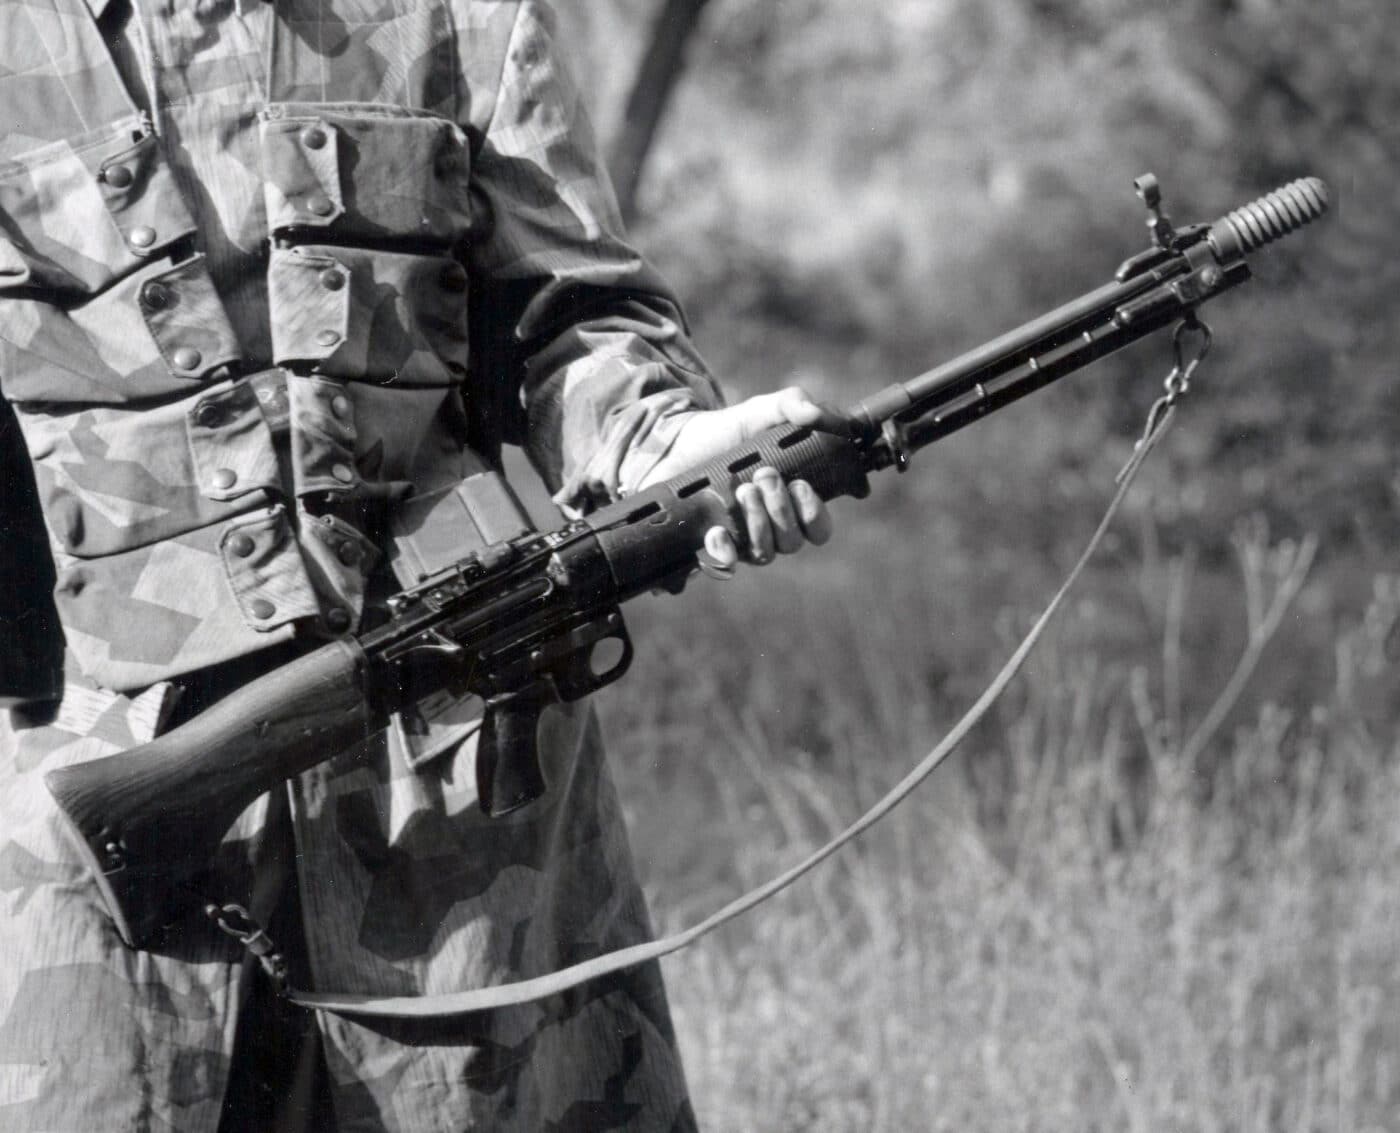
(264, 269)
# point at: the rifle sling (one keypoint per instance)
(528, 991)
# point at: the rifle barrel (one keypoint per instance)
(1198, 265)
(991, 359)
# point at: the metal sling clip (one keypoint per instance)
(1177, 383)
(237, 922)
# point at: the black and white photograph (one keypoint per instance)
(758, 566)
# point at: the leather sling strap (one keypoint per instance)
(527, 991)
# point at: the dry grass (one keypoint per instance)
(1119, 908)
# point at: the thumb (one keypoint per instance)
(790, 406)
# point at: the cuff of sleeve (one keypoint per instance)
(635, 441)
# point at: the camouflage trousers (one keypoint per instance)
(404, 889)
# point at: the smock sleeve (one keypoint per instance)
(587, 338)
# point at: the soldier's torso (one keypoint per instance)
(233, 304)
(229, 331)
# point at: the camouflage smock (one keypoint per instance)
(264, 269)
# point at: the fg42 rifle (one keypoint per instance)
(534, 617)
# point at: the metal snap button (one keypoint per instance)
(261, 609)
(225, 478)
(242, 545)
(348, 552)
(142, 236)
(340, 406)
(118, 176)
(332, 279)
(187, 358)
(327, 338)
(453, 277)
(319, 204)
(337, 619)
(156, 296)
(344, 473)
(313, 137)
(209, 414)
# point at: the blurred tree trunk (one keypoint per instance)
(646, 102)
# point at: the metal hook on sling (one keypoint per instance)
(237, 922)
(1185, 361)
(1178, 382)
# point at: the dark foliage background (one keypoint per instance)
(862, 190)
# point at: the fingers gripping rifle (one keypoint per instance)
(535, 619)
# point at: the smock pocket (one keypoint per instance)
(365, 174)
(111, 478)
(94, 307)
(369, 315)
(78, 214)
(154, 612)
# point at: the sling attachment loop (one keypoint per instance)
(1186, 359)
(237, 922)
(1178, 383)
(896, 437)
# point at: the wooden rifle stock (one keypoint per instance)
(149, 820)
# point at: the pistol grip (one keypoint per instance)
(508, 772)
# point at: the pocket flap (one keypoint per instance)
(79, 214)
(376, 174)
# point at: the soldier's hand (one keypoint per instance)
(778, 518)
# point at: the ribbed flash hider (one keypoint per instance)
(1269, 218)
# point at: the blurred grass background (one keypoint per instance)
(1160, 888)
